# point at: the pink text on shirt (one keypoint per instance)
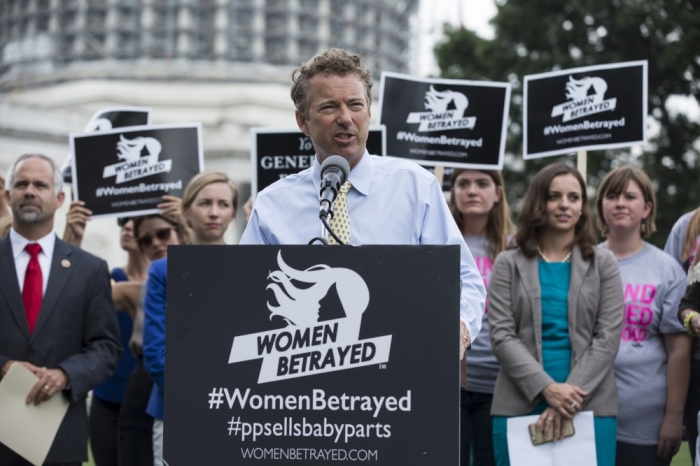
(638, 314)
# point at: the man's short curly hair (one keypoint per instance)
(332, 61)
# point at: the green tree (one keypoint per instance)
(535, 36)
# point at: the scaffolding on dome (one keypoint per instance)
(47, 35)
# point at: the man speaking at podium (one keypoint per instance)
(384, 200)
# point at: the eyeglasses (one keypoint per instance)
(162, 234)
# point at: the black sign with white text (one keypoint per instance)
(276, 153)
(312, 355)
(119, 117)
(127, 171)
(446, 122)
(592, 108)
(446, 174)
(106, 119)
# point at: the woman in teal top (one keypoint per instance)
(555, 317)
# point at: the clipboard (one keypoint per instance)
(26, 429)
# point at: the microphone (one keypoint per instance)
(334, 171)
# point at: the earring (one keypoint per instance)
(644, 228)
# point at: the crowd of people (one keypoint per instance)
(576, 325)
(126, 412)
(570, 324)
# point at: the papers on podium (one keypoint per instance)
(27, 429)
(577, 450)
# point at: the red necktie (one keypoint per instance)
(33, 284)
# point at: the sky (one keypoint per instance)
(473, 14)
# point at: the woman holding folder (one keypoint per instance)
(555, 313)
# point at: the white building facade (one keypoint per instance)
(224, 63)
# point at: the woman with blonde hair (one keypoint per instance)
(479, 206)
(209, 204)
(653, 364)
(555, 305)
(682, 242)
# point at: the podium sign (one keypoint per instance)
(282, 354)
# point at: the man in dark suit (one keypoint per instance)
(57, 317)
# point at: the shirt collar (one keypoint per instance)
(360, 176)
(19, 242)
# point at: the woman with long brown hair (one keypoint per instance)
(479, 206)
(555, 312)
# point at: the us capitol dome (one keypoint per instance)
(224, 63)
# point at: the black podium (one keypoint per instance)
(312, 355)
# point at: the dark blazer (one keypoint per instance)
(77, 331)
(595, 307)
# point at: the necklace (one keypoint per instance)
(544, 258)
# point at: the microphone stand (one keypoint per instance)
(334, 172)
(330, 231)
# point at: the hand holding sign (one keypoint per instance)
(76, 221)
(172, 211)
(172, 208)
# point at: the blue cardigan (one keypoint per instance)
(154, 333)
(113, 388)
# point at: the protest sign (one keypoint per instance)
(446, 174)
(108, 118)
(591, 108)
(126, 172)
(311, 354)
(449, 122)
(119, 117)
(279, 152)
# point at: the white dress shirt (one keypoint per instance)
(391, 202)
(22, 257)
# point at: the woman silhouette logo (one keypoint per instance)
(299, 307)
